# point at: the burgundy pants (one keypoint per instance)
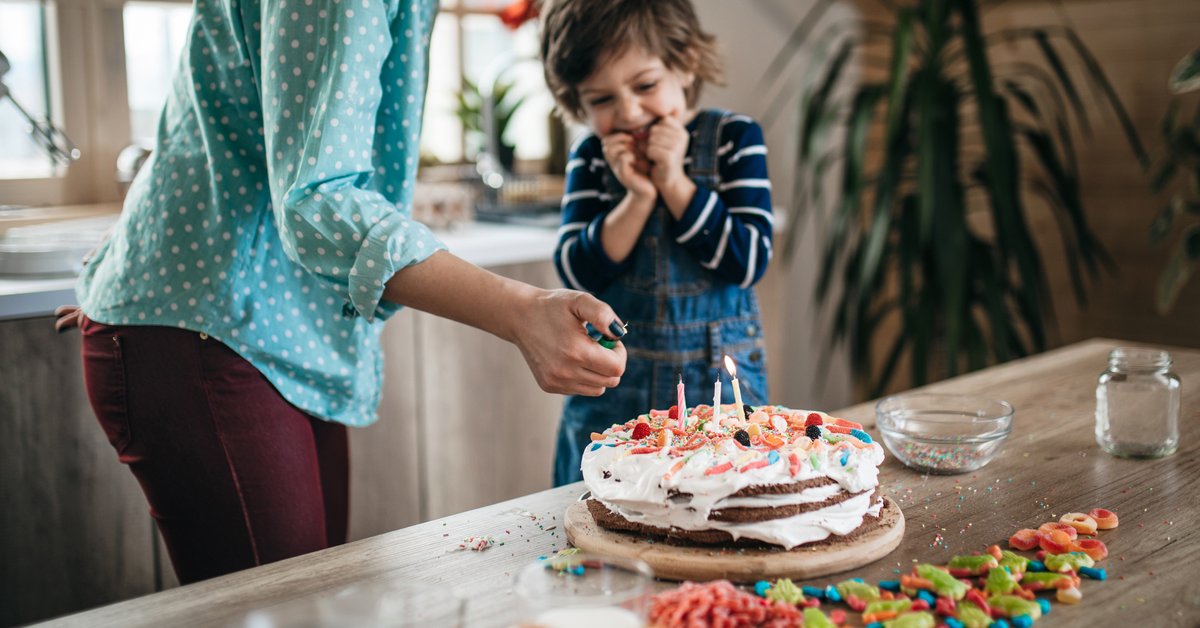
(235, 476)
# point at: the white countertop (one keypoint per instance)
(482, 244)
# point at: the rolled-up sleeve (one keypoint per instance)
(341, 84)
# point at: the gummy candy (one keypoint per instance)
(1082, 523)
(999, 581)
(1012, 606)
(1015, 563)
(1069, 595)
(1046, 528)
(1105, 519)
(972, 616)
(1026, 539)
(919, 619)
(1042, 581)
(1055, 541)
(1070, 561)
(1092, 547)
(814, 618)
(972, 565)
(784, 590)
(943, 583)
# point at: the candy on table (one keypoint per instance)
(857, 593)
(972, 616)
(784, 590)
(999, 581)
(883, 610)
(1105, 519)
(919, 619)
(1055, 541)
(1083, 524)
(943, 583)
(1094, 574)
(814, 618)
(1047, 527)
(1013, 606)
(1026, 539)
(1069, 595)
(1070, 561)
(1022, 621)
(1014, 562)
(1047, 580)
(975, 565)
(1036, 565)
(1092, 547)
(944, 606)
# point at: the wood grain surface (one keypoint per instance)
(746, 565)
(1051, 466)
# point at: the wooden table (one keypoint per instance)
(1051, 465)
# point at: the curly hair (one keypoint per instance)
(577, 35)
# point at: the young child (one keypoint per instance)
(667, 210)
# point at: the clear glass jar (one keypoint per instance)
(1137, 404)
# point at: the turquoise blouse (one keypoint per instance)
(277, 201)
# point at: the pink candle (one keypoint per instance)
(682, 403)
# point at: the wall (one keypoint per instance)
(802, 370)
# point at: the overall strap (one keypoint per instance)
(706, 144)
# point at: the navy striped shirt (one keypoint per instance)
(727, 230)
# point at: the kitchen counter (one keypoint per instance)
(482, 244)
(1051, 465)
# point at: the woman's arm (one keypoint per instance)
(546, 325)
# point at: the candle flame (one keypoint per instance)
(729, 366)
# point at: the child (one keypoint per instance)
(667, 210)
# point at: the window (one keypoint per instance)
(23, 42)
(154, 36)
(470, 46)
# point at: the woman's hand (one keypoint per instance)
(630, 168)
(563, 358)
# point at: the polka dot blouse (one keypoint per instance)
(277, 200)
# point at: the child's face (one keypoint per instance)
(630, 92)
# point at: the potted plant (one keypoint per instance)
(474, 109)
(929, 233)
(1178, 167)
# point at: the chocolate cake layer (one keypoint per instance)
(605, 518)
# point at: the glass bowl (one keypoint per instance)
(576, 589)
(944, 434)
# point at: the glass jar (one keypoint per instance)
(1137, 404)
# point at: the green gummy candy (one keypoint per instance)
(784, 590)
(1000, 581)
(861, 590)
(814, 618)
(1012, 606)
(899, 606)
(919, 619)
(1016, 563)
(1045, 579)
(1070, 561)
(944, 584)
(972, 616)
(975, 564)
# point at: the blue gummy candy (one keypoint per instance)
(596, 446)
(952, 623)
(832, 594)
(928, 597)
(1045, 604)
(761, 587)
(858, 580)
(1035, 565)
(1022, 621)
(813, 592)
(861, 435)
(578, 570)
(773, 457)
(889, 585)
(1093, 573)
(874, 624)
(999, 623)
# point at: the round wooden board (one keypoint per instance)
(700, 563)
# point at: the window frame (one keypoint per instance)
(85, 51)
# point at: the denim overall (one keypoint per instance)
(682, 319)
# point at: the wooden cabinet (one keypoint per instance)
(462, 424)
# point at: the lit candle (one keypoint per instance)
(737, 390)
(716, 415)
(682, 403)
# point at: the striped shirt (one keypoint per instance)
(727, 230)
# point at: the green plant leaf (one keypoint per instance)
(1178, 270)
(1186, 75)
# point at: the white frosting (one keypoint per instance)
(645, 489)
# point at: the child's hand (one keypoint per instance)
(665, 149)
(630, 168)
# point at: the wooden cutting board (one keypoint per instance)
(699, 563)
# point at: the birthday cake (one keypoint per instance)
(759, 476)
